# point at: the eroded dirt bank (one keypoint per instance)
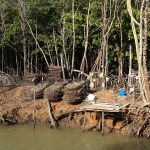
(17, 107)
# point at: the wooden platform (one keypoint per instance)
(107, 107)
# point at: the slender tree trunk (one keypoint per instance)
(84, 59)
(121, 49)
(74, 36)
(63, 39)
(107, 25)
(28, 59)
(36, 34)
(2, 13)
(62, 66)
(17, 64)
(141, 73)
(38, 43)
(31, 66)
(56, 49)
(104, 42)
(21, 8)
(130, 65)
(144, 45)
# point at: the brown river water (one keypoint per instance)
(23, 137)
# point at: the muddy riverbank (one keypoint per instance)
(18, 108)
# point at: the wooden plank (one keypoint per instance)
(123, 106)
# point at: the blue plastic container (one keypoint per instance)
(122, 93)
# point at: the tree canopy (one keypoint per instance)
(91, 34)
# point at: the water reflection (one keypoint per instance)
(23, 137)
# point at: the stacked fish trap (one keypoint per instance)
(34, 92)
(74, 93)
(54, 92)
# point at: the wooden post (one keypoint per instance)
(103, 121)
(84, 120)
(34, 111)
(52, 119)
(99, 124)
(69, 119)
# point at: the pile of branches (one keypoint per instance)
(74, 93)
(140, 125)
(54, 92)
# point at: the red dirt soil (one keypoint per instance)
(13, 105)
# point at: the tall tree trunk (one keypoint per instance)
(101, 59)
(2, 15)
(141, 74)
(144, 45)
(84, 59)
(130, 65)
(21, 8)
(36, 35)
(74, 37)
(120, 73)
(56, 49)
(63, 39)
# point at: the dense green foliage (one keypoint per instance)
(52, 26)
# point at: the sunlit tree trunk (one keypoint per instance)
(56, 49)
(120, 62)
(144, 45)
(74, 36)
(139, 50)
(84, 58)
(64, 38)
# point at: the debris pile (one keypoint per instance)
(140, 126)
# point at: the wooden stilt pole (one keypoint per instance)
(69, 119)
(52, 119)
(103, 121)
(84, 120)
(99, 124)
(34, 111)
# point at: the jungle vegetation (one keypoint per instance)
(110, 36)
